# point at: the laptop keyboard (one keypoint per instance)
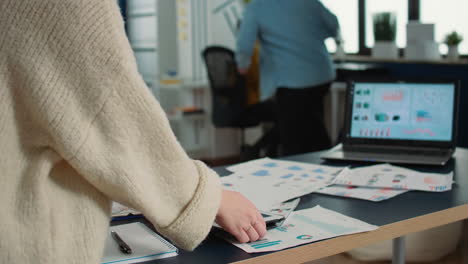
(418, 152)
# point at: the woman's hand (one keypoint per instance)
(238, 216)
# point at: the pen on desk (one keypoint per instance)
(122, 245)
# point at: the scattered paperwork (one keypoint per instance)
(267, 163)
(267, 182)
(389, 176)
(363, 193)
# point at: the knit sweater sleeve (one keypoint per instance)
(81, 85)
(131, 155)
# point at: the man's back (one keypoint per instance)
(292, 34)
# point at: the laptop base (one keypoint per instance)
(338, 153)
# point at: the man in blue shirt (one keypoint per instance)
(295, 67)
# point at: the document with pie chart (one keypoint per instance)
(306, 226)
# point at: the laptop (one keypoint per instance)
(397, 121)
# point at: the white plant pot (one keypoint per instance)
(452, 54)
(385, 50)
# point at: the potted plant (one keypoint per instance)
(384, 35)
(452, 40)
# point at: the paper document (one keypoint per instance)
(267, 163)
(363, 193)
(267, 182)
(389, 176)
(285, 209)
(268, 187)
(144, 242)
(306, 226)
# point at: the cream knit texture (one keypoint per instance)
(78, 129)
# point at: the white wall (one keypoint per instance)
(223, 19)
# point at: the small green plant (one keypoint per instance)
(453, 39)
(384, 26)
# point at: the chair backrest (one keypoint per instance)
(229, 94)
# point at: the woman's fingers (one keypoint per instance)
(241, 235)
(260, 225)
(240, 217)
(252, 232)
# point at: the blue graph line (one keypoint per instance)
(273, 244)
(266, 244)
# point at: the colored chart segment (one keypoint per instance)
(263, 243)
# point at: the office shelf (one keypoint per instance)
(141, 14)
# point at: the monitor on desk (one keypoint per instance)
(403, 111)
(400, 121)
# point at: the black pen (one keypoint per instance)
(122, 245)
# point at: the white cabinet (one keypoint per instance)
(185, 105)
(142, 18)
(159, 33)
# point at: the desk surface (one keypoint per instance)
(364, 58)
(407, 213)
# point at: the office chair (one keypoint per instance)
(229, 95)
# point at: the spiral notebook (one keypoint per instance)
(144, 242)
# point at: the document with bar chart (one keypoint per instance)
(306, 226)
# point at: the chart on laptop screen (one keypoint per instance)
(408, 111)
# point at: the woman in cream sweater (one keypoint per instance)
(79, 128)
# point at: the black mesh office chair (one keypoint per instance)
(229, 94)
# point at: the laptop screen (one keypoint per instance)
(402, 111)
